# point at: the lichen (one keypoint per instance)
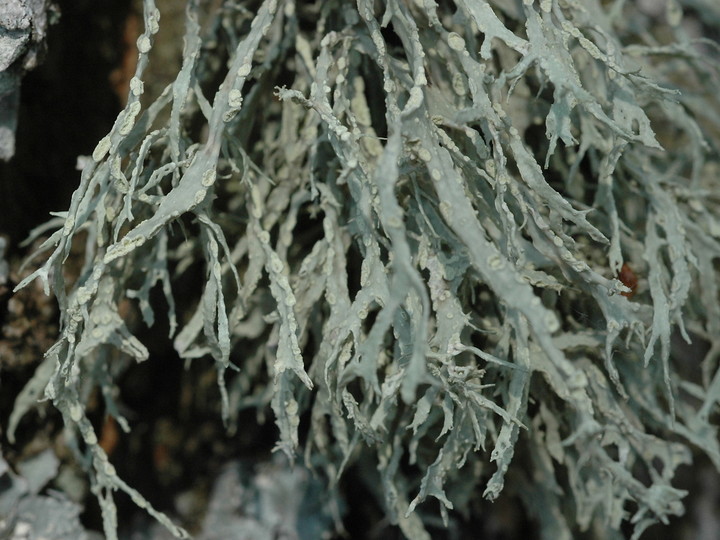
(486, 169)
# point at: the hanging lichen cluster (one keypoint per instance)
(438, 231)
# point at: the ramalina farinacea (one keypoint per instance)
(412, 216)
